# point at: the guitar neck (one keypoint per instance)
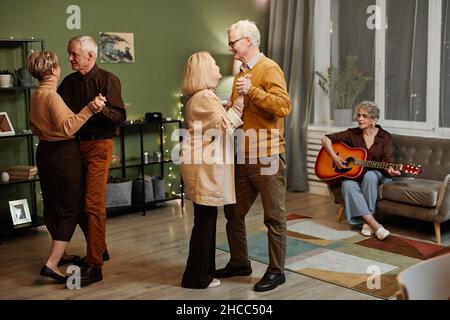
(378, 165)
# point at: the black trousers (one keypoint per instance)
(59, 167)
(201, 262)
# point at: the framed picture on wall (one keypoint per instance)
(20, 212)
(116, 47)
(6, 128)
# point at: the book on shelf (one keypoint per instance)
(23, 169)
(16, 178)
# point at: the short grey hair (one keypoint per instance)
(248, 29)
(87, 44)
(371, 107)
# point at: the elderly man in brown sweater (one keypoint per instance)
(96, 144)
(260, 162)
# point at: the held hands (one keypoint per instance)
(97, 104)
(392, 172)
(243, 84)
(238, 105)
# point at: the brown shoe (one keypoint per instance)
(90, 275)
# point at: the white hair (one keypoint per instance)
(371, 107)
(247, 28)
(87, 44)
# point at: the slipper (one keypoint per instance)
(366, 230)
(382, 233)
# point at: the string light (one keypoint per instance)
(172, 182)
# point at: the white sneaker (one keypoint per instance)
(214, 283)
(366, 230)
(382, 233)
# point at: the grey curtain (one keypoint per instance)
(291, 46)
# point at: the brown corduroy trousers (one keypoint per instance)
(96, 156)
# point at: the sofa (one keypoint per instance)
(426, 197)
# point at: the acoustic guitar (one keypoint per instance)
(327, 171)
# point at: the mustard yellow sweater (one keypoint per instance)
(266, 106)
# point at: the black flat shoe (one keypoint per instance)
(47, 272)
(68, 261)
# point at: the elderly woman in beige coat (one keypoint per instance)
(207, 163)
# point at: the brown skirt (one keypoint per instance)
(60, 173)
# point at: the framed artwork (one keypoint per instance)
(20, 212)
(6, 128)
(116, 47)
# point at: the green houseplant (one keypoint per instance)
(343, 85)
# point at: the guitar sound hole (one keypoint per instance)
(350, 161)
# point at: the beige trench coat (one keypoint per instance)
(207, 156)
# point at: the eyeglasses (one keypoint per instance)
(232, 43)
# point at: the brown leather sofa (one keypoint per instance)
(426, 197)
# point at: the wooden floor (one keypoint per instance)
(148, 255)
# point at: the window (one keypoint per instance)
(407, 54)
(444, 110)
(406, 60)
(348, 38)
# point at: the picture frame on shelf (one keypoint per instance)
(20, 213)
(6, 128)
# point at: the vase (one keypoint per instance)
(5, 81)
(24, 77)
(342, 117)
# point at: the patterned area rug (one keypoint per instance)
(335, 253)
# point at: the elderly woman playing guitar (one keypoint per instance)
(360, 194)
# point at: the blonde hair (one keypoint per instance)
(371, 107)
(41, 64)
(197, 73)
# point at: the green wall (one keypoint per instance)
(166, 32)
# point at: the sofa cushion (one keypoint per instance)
(419, 192)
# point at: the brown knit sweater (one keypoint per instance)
(50, 118)
(266, 106)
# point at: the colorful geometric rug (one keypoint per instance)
(335, 253)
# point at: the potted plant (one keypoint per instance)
(5, 79)
(343, 85)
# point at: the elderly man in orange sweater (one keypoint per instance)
(260, 163)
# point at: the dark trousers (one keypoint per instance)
(251, 181)
(201, 262)
(96, 156)
(60, 175)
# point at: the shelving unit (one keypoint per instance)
(17, 149)
(139, 127)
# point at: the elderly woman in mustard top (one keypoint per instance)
(58, 156)
(207, 163)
